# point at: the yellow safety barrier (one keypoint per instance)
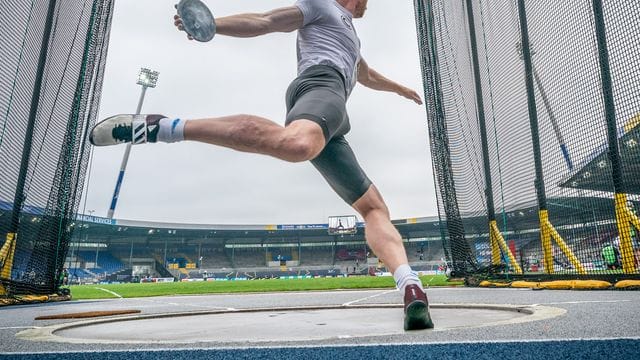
(525, 285)
(7, 253)
(591, 285)
(633, 122)
(628, 285)
(556, 285)
(548, 233)
(625, 219)
(33, 298)
(497, 240)
(486, 283)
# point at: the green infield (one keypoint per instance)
(106, 291)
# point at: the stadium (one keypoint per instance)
(105, 248)
(533, 130)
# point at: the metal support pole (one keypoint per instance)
(455, 246)
(531, 102)
(624, 217)
(131, 257)
(547, 231)
(125, 160)
(495, 237)
(607, 94)
(480, 112)
(18, 198)
(7, 251)
(69, 266)
(333, 250)
(164, 259)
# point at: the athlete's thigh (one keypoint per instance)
(318, 95)
(338, 165)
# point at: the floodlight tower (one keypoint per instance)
(147, 79)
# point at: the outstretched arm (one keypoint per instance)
(374, 80)
(285, 19)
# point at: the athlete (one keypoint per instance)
(329, 66)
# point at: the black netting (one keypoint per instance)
(51, 70)
(523, 133)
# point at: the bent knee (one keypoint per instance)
(303, 149)
(302, 141)
(371, 203)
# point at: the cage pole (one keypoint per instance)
(18, 199)
(495, 237)
(625, 218)
(547, 231)
(462, 258)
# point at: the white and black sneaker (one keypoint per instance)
(124, 128)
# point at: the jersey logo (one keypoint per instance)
(346, 22)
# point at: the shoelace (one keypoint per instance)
(122, 132)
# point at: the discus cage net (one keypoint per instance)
(51, 71)
(534, 122)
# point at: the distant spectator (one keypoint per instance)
(64, 277)
(61, 277)
(611, 256)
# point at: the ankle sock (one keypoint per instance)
(405, 276)
(171, 130)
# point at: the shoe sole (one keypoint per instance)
(417, 317)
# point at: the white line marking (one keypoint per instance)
(368, 297)
(110, 292)
(188, 305)
(18, 327)
(581, 302)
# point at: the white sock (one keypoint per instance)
(171, 130)
(405, 276)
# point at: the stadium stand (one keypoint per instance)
(134, 250)
(214, 258)
(248, 258)
(314, 256)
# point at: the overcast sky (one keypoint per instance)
(197, 183)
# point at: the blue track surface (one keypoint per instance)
(587, 325)
(619, 349)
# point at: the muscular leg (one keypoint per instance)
(300, 141)
(386, 242)
(381, 235)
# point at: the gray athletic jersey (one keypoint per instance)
(328, 37)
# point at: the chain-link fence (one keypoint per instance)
(534, 119)
(51, 70)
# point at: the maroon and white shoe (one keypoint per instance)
(124, 128)
(416, 309)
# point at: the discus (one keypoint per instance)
(197, 19)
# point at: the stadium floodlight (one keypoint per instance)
(147, 78)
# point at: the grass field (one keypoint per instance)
(83, 292)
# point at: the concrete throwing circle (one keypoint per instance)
(280, 324)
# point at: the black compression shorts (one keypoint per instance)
(319, 95)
